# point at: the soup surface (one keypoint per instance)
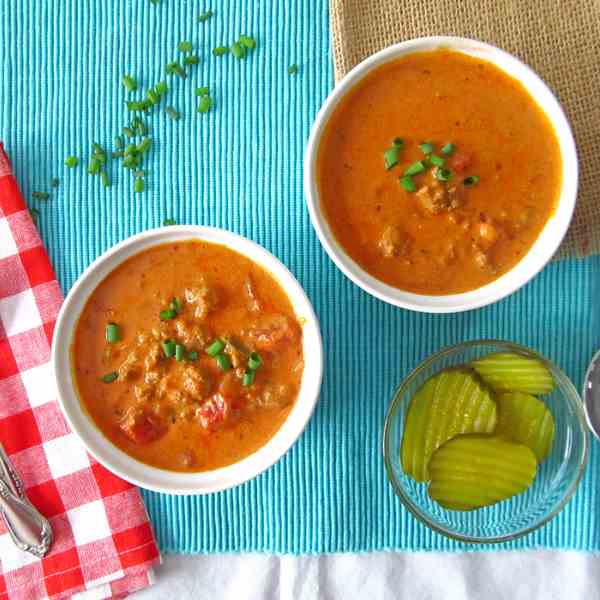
(188, 356)
(438, 172)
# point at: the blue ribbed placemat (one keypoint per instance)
(241, 168)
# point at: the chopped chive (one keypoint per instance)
(139, 173)
(130, 150)
(174, 114)
(167, 314)
(71, 161)
(179, 352)
(205, 16)
(35, 214)
(223, 362)
(192, 59)
(153, 96)
(168, 222)
(161, 88)
(205, 104)
(129, 162)
(135, 105)
(426, 147)
(391, 157)
(104, 178)
(140, 127)
(144, 145)
(447, 149)
(129, 132)
(417, 167)
(436, 161)
(55, 182)
(254, 361)
(119, 143)
(193, 355)
(293, 69)
(94, 166)
(408, 183)
(110, 377)
(129, 82)
(175, 304)
(238, 50)
(442, 174)
(201, 91)
(215, 347)
(177, 69)
(247, 41)
(138, 186)
(185, 46)
(40, 195)
(98, 150)
(220, 50)
(248, 378)
(470, 181)
(168, 347)
(113, 333)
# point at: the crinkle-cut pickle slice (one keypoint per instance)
(510, 372)
(451, 402)
(526, 419)
(472, 471)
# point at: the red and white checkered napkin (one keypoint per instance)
(103, 543)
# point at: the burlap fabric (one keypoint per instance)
(559, 39)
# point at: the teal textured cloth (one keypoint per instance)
(240, 167)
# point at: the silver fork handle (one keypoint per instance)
(29, 530)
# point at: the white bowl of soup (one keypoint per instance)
(188, 359)
(441, 174)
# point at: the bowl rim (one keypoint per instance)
(396, 403)
(542, 250)
(128, 467)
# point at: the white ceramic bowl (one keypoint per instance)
(546, 244)
(169, 481)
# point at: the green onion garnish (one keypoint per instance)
(215, 347)
(168, 222)
(54, 182)
(105, 178)
(426, 147)
(407, 183)
(153, 96)
(247, 42)
(192, 59)
(185, 46)
(135, 104)
(177, 69)
(391, 157)
(40, 195)
(110, 377)
(168, 314)
(417, 167)
(205, 104)
(175, 304)
(193, 355)
(201, 91)
(205, 16)
(254, 361)
(174, 114)
(436, 161)
(168, 347)
(248, 378)
(293, 69)
(144, 145)
(129, 132)
(138, 186)
(447, 149)
(140, 126)
(113, 333)
(161, 88)
(71, 161)
(442, 174)
(223, 362)
(398, 142)
(238, 50)
(129, 82)
(130, 150)
(179, 352)
(220, 50)
(94, 166)
(130, 162)
(98, 149)
(35, 214)
(471, 180)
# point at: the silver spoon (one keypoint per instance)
(591, 395)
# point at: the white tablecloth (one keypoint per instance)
(379, 576)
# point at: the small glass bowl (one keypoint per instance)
(557, 477)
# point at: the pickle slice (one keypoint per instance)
(472, 471)
(451, 402)
(510, 372)
(525, 419)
